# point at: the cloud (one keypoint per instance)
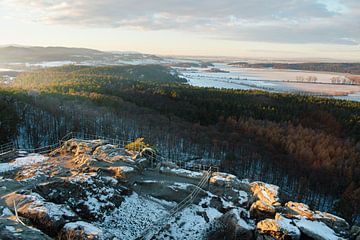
(290, 21)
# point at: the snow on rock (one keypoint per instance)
(224, 179)
(237, 225)
(261, 210)
(278, 228)
(29, 160)
(122, 171)
(339, 225)
(78, 147)
(81, 230)
(48, 216)
(242, 198)
(191, 223)
(135, 214)
(181, 172)
(316, 230)
(265, 192)
(6, 212)
(12, 230)
(112, 153)
(300, 209)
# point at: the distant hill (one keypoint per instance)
(37, 54)
(351, 68)
(22, 54)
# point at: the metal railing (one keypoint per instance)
(90, 137)
(156, 227)
(136, 147)
(40, 150)
(7, 147)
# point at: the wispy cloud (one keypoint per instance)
(288, 21)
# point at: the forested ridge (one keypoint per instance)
(314, 140)
(351, 68)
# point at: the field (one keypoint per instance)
(289, 81)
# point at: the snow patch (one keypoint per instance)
(316, 229)
(87, 228)
(22, 162)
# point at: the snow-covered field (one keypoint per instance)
(272, 80)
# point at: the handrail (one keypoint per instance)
(158, 225)
(8, 147)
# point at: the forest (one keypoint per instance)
(351, 68)
(288, 140)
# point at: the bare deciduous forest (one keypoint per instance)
(283, 139)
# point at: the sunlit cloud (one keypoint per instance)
(293, 21)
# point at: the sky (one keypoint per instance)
(236, 28)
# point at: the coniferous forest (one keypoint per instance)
(288, 140)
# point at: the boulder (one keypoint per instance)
(46, 216)
(169, 191)
(80, 230)
(181, 173)
(299, 209)
(77, 147)
(355, 233)
(12, 230)
(266, 193)
(237, 227)
(89, 195)
(224, 180)
(122, 171)
(339, 225)
(316, 230)
(261, 210)
(278, 228)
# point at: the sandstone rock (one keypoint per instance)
(181, 172)
(316, 230)
(355, 233)
(173, 192)
(47, 216)
(89, 195)
(80, 230)
(279, 228)
(300, 209)
(12, 230)
(266, 193)
(123, 171)
(237, 227)
(112, 153)
(77, 147)
(339, 225)
(261, 210)
(224, 179)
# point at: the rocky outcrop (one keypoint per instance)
(259, 210)
(47, 216)
(355, 233)
(88, 189)
(12, 230)
(339, 225)
(76, 147)
(89, 195)
(237, 226)
(267, 193)
(181, 172)
(316, 230)
(278, 228)
(80, 230)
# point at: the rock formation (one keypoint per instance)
(96, 190)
